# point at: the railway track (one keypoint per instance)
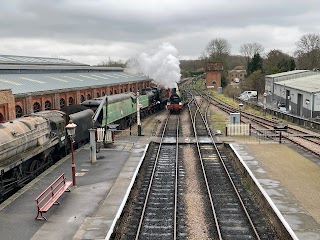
(233, 213)
(163, 206)
(304, 138)
(159, 213)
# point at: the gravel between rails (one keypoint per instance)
(193, 197)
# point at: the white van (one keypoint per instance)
(252, 93)
(248, 95)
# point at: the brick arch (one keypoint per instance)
(70, 101)
(36, 107)
(62, 102)
(47, 105)
(19, 111)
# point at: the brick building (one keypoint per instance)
(29, 84)
(213, 75)
(237, 75)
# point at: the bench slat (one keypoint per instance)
(55, 197)
(51, 195)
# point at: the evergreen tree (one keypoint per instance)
(255, 64)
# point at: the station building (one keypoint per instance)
(298, 91)
(32, 84)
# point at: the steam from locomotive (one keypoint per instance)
(162, 66)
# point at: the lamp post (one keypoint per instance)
(240, 107)
(71, 130)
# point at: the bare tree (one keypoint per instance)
(250, 49)
(217, 49)
(308, 51)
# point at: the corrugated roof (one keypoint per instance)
(11, 59)
(286, 73)
(29, 83)
(307, 84)
(55, 67)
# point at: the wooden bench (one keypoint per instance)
(51, 195)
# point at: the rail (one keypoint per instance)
(228, 175)
(159, 214)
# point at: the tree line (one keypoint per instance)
(253, 59)
(257, 63)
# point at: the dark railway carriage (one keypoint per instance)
(82, 117)
(83, 120)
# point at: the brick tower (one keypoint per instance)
(213, 75)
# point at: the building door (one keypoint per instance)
(1, 118)
(299, 104)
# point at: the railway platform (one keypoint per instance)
(89, 211)
(290, 176)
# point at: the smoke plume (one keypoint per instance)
(162, 66)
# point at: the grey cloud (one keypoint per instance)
(132, 26)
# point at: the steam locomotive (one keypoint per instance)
(31, 144)
(176, 101)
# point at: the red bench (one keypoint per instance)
(51, 195)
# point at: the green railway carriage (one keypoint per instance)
(124, 105)
(119, 109)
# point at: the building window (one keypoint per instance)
(18, 111)
(121, 91)
(36, 107)
(130, 89)
(70, 101)
(88, 97)
(81, 98)
(115, 91)
(47, 105)
(103, 94)
(125, 90)
(62, 102)
(110, 92)
(98, 94)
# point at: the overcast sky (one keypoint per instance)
(91, 31)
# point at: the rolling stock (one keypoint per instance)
(176, 101)
(29, 145)
(122, 108)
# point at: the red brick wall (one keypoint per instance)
(8, 102)
(7, 105)
(213, 80)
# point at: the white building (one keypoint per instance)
(298, 91)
